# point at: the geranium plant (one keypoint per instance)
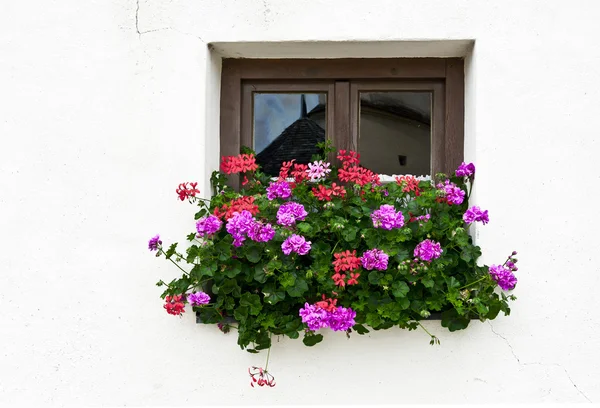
(322, 247)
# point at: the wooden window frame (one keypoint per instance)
(444, 77)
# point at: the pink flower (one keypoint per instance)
(318, 170)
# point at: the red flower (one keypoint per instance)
(358, 175)
(348, 159)
(285, 169)
(442, 200)
(299, 173)
(238, 164)
(260, 377)
(353, 278)
(324, 194)
(327, 304)
(175, 305)
(238, 205)
(338, 279)
(187, 192)
(346, 261)
(408, 184)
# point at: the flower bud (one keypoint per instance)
(514, 253)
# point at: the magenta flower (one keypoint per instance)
(261, 232)
(387, 218)
(198, 298)
(208, 225)
(341, 319)
(374, 259)
(296, 243)
(313, 316)
(503, 276)
(289, 213)
(239, 225)
(279, 189)
(154, 243)
(336, 318)
(465, 170)
(318, 170)
(475, 214)
(427, 250)
(453, 194)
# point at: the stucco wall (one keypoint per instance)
(108, 105)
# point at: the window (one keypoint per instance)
(405, 116)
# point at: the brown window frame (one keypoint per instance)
(342, 79)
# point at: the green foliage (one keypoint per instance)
(262, 289)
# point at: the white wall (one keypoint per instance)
(107, 106)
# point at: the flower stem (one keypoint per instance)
(268, 355)
(423, 327)
(434, 339)
(470, 189)
(175, 263)
(472, 283)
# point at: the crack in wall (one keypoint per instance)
(537, 363)
(140, 33)
(506, 340)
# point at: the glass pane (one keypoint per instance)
(287, 126)
(395, 132)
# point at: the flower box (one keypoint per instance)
(326, 248)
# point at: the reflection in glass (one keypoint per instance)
(395, 132)
(286, 127)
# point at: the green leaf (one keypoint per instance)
(275, 297)
(374, 277)
(171, 251)
(230, 286)
(259, 274)
(349, 233)
(192, 253)
(287, 280)
(251, 300)
(400, 289)
(494, 310)
(263, 340)
(292, 334)
(373, 320)
(241, 313)
(428, 282)
(254, 351)
(300, 286)
(453, 321)
(305, 228)
(312, 339)
(452, 283)
(401, 255)
(233, 269)
(360, 329)
(253, 254)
